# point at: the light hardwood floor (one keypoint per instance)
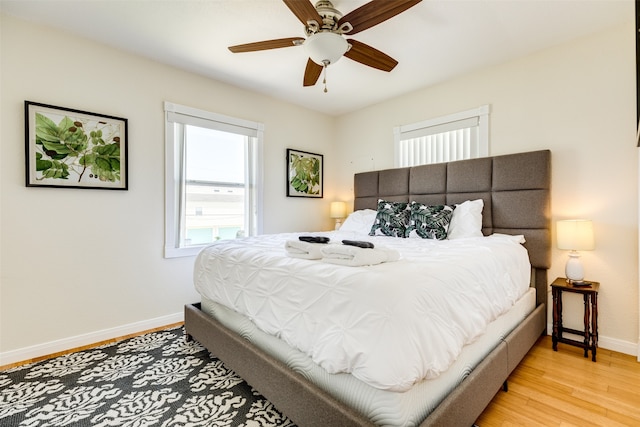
(564, 388)
(551, 388)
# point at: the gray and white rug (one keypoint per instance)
(157, 379)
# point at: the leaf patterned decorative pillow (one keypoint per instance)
(391, 219)
(429, 222)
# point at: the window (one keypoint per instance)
(459, 136)
(213, 175)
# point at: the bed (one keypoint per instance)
(514, 190)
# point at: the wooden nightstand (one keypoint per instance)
(590, 332)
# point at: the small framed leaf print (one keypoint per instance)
(74, 149)
(304, 174)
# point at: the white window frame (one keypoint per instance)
(174, 159)
(446, 123)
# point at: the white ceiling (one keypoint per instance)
(432, 41)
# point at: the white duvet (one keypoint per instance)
(389, 325)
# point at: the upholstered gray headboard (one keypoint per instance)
(515, 189)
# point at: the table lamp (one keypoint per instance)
(338, 212)
(575, 235)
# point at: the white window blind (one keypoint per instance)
(459, 136)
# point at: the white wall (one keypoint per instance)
(78, 261)
(73, 262)
(578, 100)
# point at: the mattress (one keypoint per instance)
(389, 325)
(383, 407)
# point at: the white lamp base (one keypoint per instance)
(574, 269)
(338, 223)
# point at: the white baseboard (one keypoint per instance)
(618, 345)
(52, 347)
(613, 344)
(64, 344)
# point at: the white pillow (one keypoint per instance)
(359, 221)
(466, 220)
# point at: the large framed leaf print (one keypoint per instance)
(304, 174)
(74, 149)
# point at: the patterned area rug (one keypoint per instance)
(157, 379)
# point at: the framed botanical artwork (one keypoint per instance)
(304, 174)
(74, 149)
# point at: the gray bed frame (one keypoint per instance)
(516, 193)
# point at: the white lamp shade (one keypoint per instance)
(338, 210)
(575, 235)
(325, 46)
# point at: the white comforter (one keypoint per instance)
(390, 325)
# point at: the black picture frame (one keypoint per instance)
(305, 174)
(69, 148)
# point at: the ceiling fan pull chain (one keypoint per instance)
(324, 80)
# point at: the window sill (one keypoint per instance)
(170, 252)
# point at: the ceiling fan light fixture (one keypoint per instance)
(323, 47)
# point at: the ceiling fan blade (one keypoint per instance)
(367, 55)
(304, 11)
(375, 12)
(311, 73)
(267, 44)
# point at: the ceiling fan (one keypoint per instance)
(325, 28)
